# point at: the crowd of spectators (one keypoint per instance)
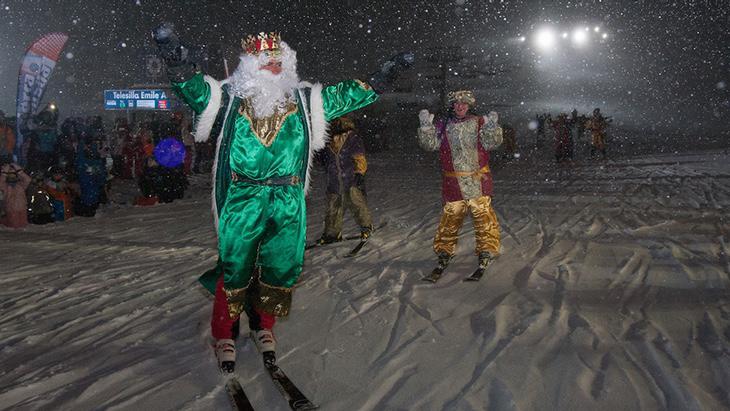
(67, 169)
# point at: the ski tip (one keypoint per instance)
(474, 277)
(303, 405)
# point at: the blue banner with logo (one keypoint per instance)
(137, 99)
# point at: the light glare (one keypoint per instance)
(580, 37)
(545, 39)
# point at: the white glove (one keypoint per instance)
(490, 120)
(425, 118)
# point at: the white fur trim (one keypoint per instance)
(319, 125)
(207, 117)
(214, 203)
(316, 123)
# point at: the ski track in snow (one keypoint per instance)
(611, 293)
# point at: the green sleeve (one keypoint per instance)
(194, 92)
(345, 97)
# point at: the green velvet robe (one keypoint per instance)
(262, 225)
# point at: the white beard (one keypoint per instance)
(266, 90)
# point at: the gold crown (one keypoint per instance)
(263, 42)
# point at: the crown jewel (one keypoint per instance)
(262, 42)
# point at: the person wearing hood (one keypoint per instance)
(267, 124)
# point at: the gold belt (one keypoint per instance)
(474, 174)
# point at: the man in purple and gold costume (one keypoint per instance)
(464, 141)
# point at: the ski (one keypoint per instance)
(476, 275)
(357, 248)
(296, 399)
(347, 238)
(317, 244)
(436, 273)
(238, 397)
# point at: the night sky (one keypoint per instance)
(661, 64)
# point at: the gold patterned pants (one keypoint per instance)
(354, 201)
(486, 226)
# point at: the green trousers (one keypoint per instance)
(262, 227)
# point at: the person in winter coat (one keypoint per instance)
(44, 139)
(91, 175)
(40, 203)
(464, 141)
(61, 194)
(66, 148)
(563, 139)
(344, 161)
(597, 126)
(13, 183)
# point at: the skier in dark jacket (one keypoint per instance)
(345, 163)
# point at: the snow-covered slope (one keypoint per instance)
(611, 293)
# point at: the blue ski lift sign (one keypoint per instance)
(136, 99)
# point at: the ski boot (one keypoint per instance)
(225, 352)
(265, 340)
(365, 232)
(326, 239)
(443, 261)
(485, 259)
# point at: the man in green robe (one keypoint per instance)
(267, 124)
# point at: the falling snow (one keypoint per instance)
(659, 69)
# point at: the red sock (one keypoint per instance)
(221, 323)
(267, 320)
